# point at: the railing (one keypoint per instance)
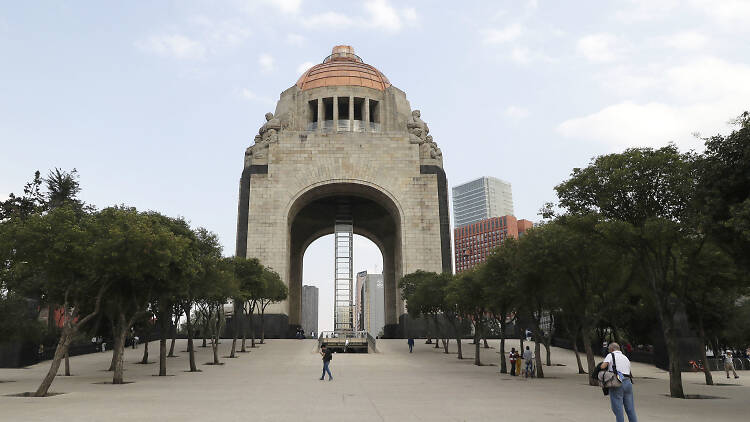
(371, 343)
(345, 125)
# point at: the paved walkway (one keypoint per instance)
(279, 382)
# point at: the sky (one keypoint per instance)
(155, 102)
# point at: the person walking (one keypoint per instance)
(528, 361)
(621, 396)
(729, 364)
(327, 356)
(410, 342)
(513, 357)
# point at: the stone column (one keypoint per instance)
(366, 117)
(351, 113)
(321, 117)
(335, 113)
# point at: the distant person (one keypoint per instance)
(729, 364)
(513, 357)
(410, 342)
(622, 395)
(135, 342)
(518, 363)
(528, 360)
(327, 356)
(628, 350)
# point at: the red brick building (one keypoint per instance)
(474, 242)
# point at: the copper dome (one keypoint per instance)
(343, 68)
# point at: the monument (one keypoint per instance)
(343, 144)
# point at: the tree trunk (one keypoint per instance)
(486, 346)
(262, 326)
(445, 344)
(673, 352)
(174, 335)
(538, 359)
(477, 347)
(67, 362)
(117, 378)
(243, 328)
(252, 328)
(163, 356)
(165, 320)
(215, 339)
(706, 369)
(114, 336)
(60, 351)
(235, 331)
(578, 356)
(190, 345)
(503, 365)
(144, 360)
(589, 355)
(458, 344)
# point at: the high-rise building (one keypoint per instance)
(309, 310)
(370, 303)
(480, 199)
(474, 242)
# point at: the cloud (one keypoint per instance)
(286, 6)
(516, 112)
(174, 46)
(687, 40)
(302, 68)
(379, 14)
(601, 48)
(503, 35)
(653, 124)
(295, 39)
(252, 96)
(698, 96)
(646, 10)
(220, 33)
(735, 13)
(328, 20)
(266, 62)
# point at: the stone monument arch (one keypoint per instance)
(343, 136)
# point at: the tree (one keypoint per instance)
(646, 194)
(723, 190)
(591, 273)
(714, 286)
(424, 293)
(500, 289)
(52, 254)
(219, 287)
(467, 292)
(249, 276)
(273, 290)
(207, 252)
(168, 290)
(133, 253)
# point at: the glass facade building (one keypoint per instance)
(481, 199)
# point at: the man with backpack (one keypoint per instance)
(622, 395)
(327, 356)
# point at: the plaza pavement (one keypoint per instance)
(279, 382)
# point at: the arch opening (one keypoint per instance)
(375, 217)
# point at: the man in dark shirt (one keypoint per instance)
(327, 356)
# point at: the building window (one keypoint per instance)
(312, 113)
(374, 111)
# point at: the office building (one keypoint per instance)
(474, 242)
(481, 199)
(309, 310)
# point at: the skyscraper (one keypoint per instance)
(480, 199)
(370, 302)
(309, 309)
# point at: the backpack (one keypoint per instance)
(610, 379)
